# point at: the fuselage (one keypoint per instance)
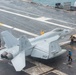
(60, 32)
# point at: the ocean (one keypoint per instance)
(52, 2)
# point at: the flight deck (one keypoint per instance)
(23, 18)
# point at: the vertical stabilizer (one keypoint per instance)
(24, 43)
(9, 39)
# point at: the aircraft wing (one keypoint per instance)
(45, 47)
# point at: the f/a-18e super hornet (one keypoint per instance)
(45, 46)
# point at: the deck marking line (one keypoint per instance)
(26, 32)
(34, 18)
(7, 26)
(59, 72)
(58, 25)
(1, 24)
(36, 15)
(19, 30)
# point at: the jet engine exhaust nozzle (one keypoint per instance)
(9, 56)
(3, 55)
(6, 55)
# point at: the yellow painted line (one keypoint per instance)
(1, 24)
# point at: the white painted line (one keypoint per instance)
(42, 69)
(59, 72)
(35, 19)
(63, 21)
(58, 25)
(37, 70)
(8, 8)
(43, 18)
(19, 30)
(26, 32)
(7, 26)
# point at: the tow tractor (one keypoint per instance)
(73, 38)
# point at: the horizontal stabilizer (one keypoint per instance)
(9, 39)
(19, 61)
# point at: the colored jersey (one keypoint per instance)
(70, 53)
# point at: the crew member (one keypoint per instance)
(72, 39)
(70, 56)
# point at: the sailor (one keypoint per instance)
(70, 57)
(72, 39)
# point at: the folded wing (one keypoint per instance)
(47, 48)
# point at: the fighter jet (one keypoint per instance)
(45, 46)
